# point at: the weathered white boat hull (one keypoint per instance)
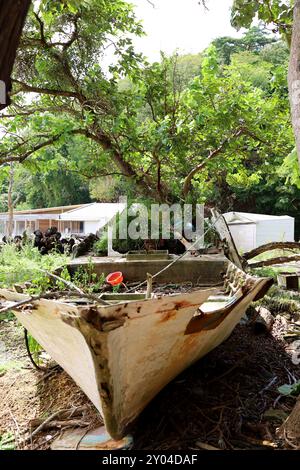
(123, 355)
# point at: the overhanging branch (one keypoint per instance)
(235, 135)
(24, 87)
(9, 157)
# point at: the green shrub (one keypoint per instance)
(17, 266)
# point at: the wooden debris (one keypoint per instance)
(261, 443)
(45, 423)
(59, 424)
(204, 446)
(264, 321)
(290, 429)
(226, 237)
(149, 286)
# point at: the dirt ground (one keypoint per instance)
(228, 400)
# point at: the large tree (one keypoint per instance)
(60, 61)
(158, 130)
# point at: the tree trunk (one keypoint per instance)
(12, 18)
(144, 182)
(290, 430)
(294, 76)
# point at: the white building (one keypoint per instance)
(252, 230)
(36, 219)
(90, 218)
(78, 219)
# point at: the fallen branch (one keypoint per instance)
(72, 286)
(17, 305)
(59, 424)
(272, 262)
(264, 321)
(271, 246)
(261, 443)
(43, 425)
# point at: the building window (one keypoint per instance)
(81, 227)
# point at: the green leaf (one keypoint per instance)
(288, 390)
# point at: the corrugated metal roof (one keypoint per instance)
(47, 210)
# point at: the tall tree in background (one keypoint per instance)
(168, 133)
(294, 75)
(284, 15)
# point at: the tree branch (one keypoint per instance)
(42, 28)
(235, 135)
(51, 109)
(271, 246)
(272, 262)
(43, 91)
(35, 148)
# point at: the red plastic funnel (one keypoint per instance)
(114, 279)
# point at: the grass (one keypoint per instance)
(10, 365)
(8, 316)
(7, 441)
(18, 266)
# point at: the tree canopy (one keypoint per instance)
(88, 110)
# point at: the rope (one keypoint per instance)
(29, 353)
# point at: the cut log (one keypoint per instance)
(264, 320)
(271, 246)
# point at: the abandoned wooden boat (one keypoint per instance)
(122, 355)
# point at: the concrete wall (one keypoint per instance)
(206, 270)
